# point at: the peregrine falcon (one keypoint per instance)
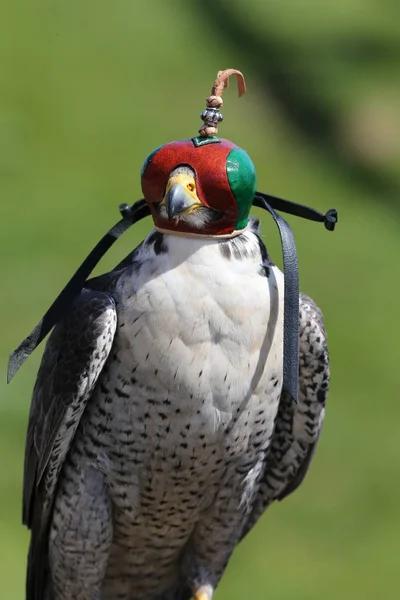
(159, 428)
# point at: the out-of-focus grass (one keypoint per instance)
(87, 90)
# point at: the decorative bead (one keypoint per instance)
(211, 116)
(208, 131)
(214, 101)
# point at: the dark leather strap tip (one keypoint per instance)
(330, 219)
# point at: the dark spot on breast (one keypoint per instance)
(122, 379)
(103, 429)
(265, 269)
(156, 239)
(120, 393)
(225, 249)
(90, 454)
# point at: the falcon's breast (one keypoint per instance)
(196, 368)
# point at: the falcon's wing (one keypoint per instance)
(297, 427)
(72, 361)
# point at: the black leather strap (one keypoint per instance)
(130, 214)
(133, 214)
(291, 302)
(291, 272)
(298, 210)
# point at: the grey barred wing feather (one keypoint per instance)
(297, 427)
(72, 362)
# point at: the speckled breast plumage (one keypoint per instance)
(183, 412)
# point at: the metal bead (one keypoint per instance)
(211, 116)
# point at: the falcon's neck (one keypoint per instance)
(242, 252)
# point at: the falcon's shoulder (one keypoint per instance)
(297, 426)
(72, 361)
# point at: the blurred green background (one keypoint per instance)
(87, 89)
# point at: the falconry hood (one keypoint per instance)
(202, 186)
(218, 175)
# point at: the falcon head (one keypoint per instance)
(181, 202)
(202, 185)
